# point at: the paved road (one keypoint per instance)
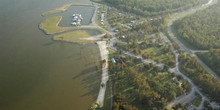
(114, 40)
(197, 51)
(183, 47)
(190, 96)
(183, 99)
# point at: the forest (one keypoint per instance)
(212, 59)
(202, 29)
(209, 86)
(143, 86)
(149, 47)
(152, 7)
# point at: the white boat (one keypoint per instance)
(76, 17)
(73, 23)
(74, 20)
(80, 16)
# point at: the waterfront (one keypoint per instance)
(85, 11)
(37, 72)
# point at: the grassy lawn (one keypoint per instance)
(74, 36)
(50, 25)
(99, 1)
(63, 8)
(57, 10)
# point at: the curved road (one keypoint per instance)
(184, 98)
(183, 47)
(189, 97)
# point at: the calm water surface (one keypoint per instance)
(85, 11)
(37, 73)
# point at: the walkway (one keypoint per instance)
(105, 77)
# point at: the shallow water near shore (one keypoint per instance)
(37, 73)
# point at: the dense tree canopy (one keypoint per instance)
(202, 29)
(153, 7)
(143, 85)
(212, 59)
(205, 81)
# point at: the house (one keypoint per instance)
(113, 60)
(116, 30)
(133, 21)
(102, 17)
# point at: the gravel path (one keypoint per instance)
(105, 77)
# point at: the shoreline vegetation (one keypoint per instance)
(78, 34)
(149, 8)
(50, 26)
(64, 8)
(136, 84)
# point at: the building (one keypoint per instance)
(113, 60)
(102, 17)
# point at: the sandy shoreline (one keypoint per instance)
(105, 77)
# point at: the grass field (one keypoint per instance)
(74, 36)
(50, 25)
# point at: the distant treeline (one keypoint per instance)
(202, 29)
(152, 7)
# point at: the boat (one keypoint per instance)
(73, 23)
(80, 16)
(77, 18)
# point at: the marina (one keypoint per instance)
(77, 18)
(67, 16)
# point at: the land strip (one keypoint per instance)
(64, 8)
(105, 77)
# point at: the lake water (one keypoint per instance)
(37, 73)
